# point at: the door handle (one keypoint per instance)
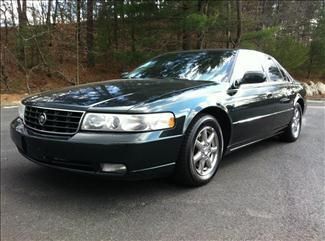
(269, 95)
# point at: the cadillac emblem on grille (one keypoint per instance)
(42, 119)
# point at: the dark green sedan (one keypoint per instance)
(176, 115)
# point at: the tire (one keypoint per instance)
(292, 132)
(201, 152)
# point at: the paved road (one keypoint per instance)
(268, 191)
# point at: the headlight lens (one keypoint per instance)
(128, 123)
(21, 111)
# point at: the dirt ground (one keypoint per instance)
(11, 99)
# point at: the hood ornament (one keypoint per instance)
(42, 119)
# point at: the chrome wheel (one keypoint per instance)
(205, 151)
(296, 123)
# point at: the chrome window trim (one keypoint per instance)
(264, 84)
(261, 116)
(54, 132)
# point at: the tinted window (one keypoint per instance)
(202, 65)
(285, 77)
(272, 70)
(247, 61)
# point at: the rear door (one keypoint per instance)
(250, 106)
(281, 91)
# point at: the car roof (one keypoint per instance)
(200, 50)
(211, 50)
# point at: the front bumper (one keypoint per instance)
(146, 154)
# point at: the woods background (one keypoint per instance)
(55, 43)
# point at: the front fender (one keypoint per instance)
(205, 108)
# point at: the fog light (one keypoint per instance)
(113, 168)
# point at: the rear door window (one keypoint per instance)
(285, 77)
(272, 70)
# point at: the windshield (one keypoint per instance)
(203, 65)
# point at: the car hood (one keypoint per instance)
(118, 95)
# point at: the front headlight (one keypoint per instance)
(21, 111)
(128, 122)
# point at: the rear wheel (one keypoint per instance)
(201, 152)
(292, 132)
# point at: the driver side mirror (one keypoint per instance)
(251, 77)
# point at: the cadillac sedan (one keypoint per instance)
(177, 114)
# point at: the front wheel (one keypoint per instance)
(292, 132)
(201, 152)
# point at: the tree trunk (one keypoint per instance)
(187, 40)
(26, 72)
(115, 25)
(48, 14)
(12, 14)
(78, 21)
(61, 12)
(133, 40)
(25, 9)
(69, 11)
(55, 14)
(22, 16)
(78, 41)
(239, 24)
(3, 76)
(203, 9)
(228, 23)
(310, 67)
(90, 34)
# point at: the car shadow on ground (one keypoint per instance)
(245, 153)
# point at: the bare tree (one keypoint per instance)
(23, 21)
(90, 33)
(55, 13)
(48, 14)
(22, 16)
(115, 24)
(78, 21)
(133, 40)
(228, 23)
(239, 24)
(3, 76)
(12, 14)
(203, 9)
(78, 41)
(187, 39)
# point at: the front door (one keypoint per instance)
(250, 106)
(251, 110)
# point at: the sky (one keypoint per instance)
(6, 7)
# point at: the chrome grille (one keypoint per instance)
(57, 121)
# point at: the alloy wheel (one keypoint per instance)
(296, 122)
(205, 151)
